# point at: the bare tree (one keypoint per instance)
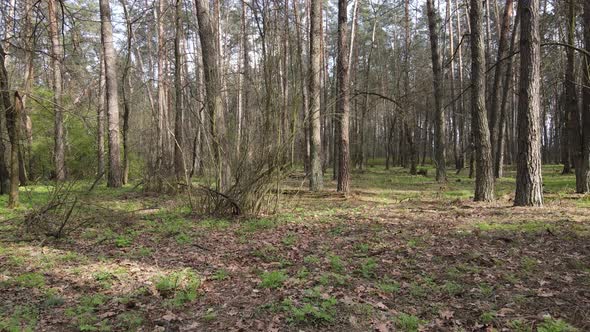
(484, 176)
(529, 188)
(343, 101)
(316, 180)
(56, 58)
(439, 117)
(112, 95)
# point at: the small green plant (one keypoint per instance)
(407, 323)
(528, 264)
(518, 325)
(362, 248)
(555, 325)
(267, 253)
(104, 278)
(183, 239)
(487, 317)
(289, 239)
(23, 318)
(84, 314)
(302, 273)
(123, 241)
(388, 286)
(336, 263)
(486, 290)
(130, 321)
(257, 225)
(210, 315)
(215, 224)
(181, 287)
(29, 280)
(452, 288)
(273, 279)
(316, 308)
(311, 259)
(220, 274)
(367, 268)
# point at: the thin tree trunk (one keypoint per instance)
(585, 173)
(112, 95)
(100, 119)
(529, 189)
(5, 105)
(439, 118)
(56, 58)
(316, 180)
(343, 100)
(502, 128)
(496, 96)
(179, 164)
(484, 176)
(12, 124)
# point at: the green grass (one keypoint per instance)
(407, 323)
(273, 279)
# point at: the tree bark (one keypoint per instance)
(112, 95)
(100, 119)
(502, 128)
(179, 164)
(343, 100)
(12, 124)
(56, 58)
(585, 178)
(574, 127)
(316, 179)
(529, 188)
(213, 97)
(439, 118)
(484, 176)
(496, 97)
(5, 105)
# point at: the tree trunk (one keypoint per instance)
(439, 117)
(343, 100)
(529, 187)
(213, 97)
(56, 58)
(112, 95)
(484, 176)
(574, 134)
(316, 180)
(162, 154)
(502, 128)
(496, 97)
(5, 105)
(585, 178)
(12, 124)
(179, 164)
(100, 119)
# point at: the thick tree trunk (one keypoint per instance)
(56, 58)
(112, 95)
(343, 100)
(439, 117)
(529, 186)
(484, 176)
(213, 97)
(316, 180)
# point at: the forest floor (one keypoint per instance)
(401, 254)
